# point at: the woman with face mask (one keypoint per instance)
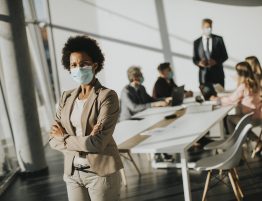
(134, 97)
(84, 124)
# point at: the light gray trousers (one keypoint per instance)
(82, 186)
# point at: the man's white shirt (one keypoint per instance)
(204, 41)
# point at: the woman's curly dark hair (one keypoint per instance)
(83, 44)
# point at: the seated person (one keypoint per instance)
(256, 69)
(246, 96)
(134, 97)
(165, 82)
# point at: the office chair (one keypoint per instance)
(228, 160)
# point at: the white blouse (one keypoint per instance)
(75, 119)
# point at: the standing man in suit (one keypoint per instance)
(209, 55)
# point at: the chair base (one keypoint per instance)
(234, 181)
(258, 146)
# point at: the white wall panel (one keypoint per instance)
(128, 33)
(237, 24)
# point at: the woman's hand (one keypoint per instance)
(213, 98)
(159, 104)
(216, 100)
(202, 63)
(97, 128)
(188, 94)
(211, 62)
(57, 130)
(168, 100)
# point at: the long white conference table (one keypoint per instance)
(142, 136)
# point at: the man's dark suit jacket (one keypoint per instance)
(215, 74)
(133, 101)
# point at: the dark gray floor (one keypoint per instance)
(154, 185)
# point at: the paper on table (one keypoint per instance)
(206, 106)
(189, 100)
(163, 111)
(204, 103)
(155, 131)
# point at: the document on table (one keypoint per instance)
(206, 106)
(155, 131)
(160, 111)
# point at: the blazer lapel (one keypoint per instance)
(213, 44)
(88, 107)
(134, 94)
(68, 110)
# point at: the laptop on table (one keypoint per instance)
(178, 95)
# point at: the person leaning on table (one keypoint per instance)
(84, 124)
(134, 97)
(246, 97)
(165, 83)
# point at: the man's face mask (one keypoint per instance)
(207, 31)
(142, 79)
(170, 75)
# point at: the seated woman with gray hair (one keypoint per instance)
(134, 97)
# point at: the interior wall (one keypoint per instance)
(128, 33)
(237, 24)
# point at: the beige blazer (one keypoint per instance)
(100, 149)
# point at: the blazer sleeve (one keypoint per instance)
(149, 98)
(108, 116)
(196, 58)
(58, 143)
(223, 57)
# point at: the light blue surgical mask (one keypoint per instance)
(142, 79)
(207, 31)
(170, 75)
(82, 75)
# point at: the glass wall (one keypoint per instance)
(43, 85)
(8, 160)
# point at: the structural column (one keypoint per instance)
(163, 30)
(20, 95)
